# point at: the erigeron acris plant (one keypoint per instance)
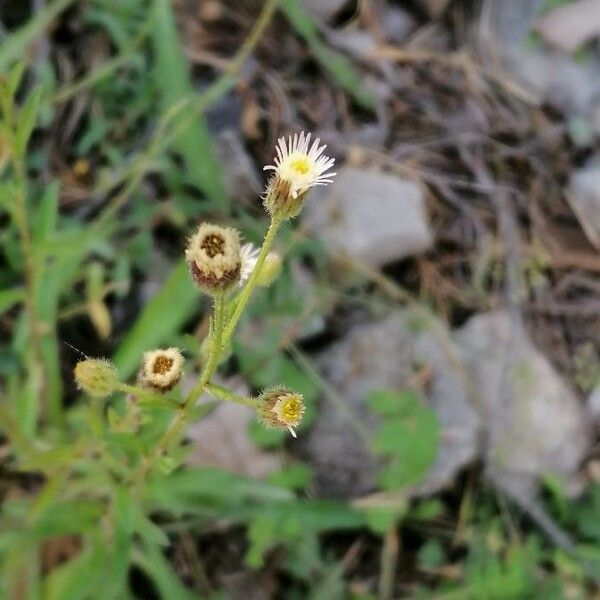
(228, 271)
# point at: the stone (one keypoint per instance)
(371, 217)
(593, 405)
(584, 197)
(571, 25)
(383, 355)
(534, 424)
(554, 78)
(239, 173)
(221, 440)
(323, 10)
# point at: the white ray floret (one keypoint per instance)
(248, 258)
(301, 164)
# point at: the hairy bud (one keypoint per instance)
(97, 377)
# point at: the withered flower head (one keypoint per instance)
(281, 408)
(213, 257)
(161, 369)
(298, 167)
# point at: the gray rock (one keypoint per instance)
(554, 77)
(533, 422)
(371, 217)
(584, 198)
(593, 405)
(240, 176)
(220, 439)
(323, 9)
(383, 355)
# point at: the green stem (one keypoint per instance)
(180, 419)
(224, 394)
(244, 296)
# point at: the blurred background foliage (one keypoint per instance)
(109, 155)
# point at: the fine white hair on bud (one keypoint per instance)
(213, 257)
(281, 408)
(97, 377)
(297, 167)
(161, 369)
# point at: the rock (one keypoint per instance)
(584, 197)
(221, 439)
(240, 176)
(323, 10)
(555, 78)
(382, 355)
(371, 217)
(569, 26)
(397, 24)
(434, 8)
(593, 405)
(533, 422)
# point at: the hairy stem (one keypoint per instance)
(224, 394)
(244, 296)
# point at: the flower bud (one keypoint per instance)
(97, 377)
(161, 369)
(213, 257)
(281, 408)
(270, 270)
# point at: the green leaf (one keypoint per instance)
(170, 308)
(380, 519)
(294, 477)
(125, 509)
(160, 571)
(15, 44)
(46, 214)
(431, 555)
(76, 579)
(173, 83)
(337, 65)
(26, 119)
(408, 437)
(9, 298)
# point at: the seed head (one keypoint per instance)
(213, 257)
(161, 369)
(97, 377)
(298, 167)
(281, 408)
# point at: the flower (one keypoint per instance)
(97, 377)
(280, 407)
(213, 257)
(298, 167)
(248, 258)
(161, 369)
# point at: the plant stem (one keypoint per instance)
(224, 394)
(21, 218)
(389, 558)
(244, 296)
(179, 420)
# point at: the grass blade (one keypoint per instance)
(162, 316)
(172, 80)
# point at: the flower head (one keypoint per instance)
(161, 369)
(298, 167)
(97, 377)
(213, 257)
(280, 407)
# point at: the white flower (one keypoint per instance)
(248, 258)
(300, 165)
